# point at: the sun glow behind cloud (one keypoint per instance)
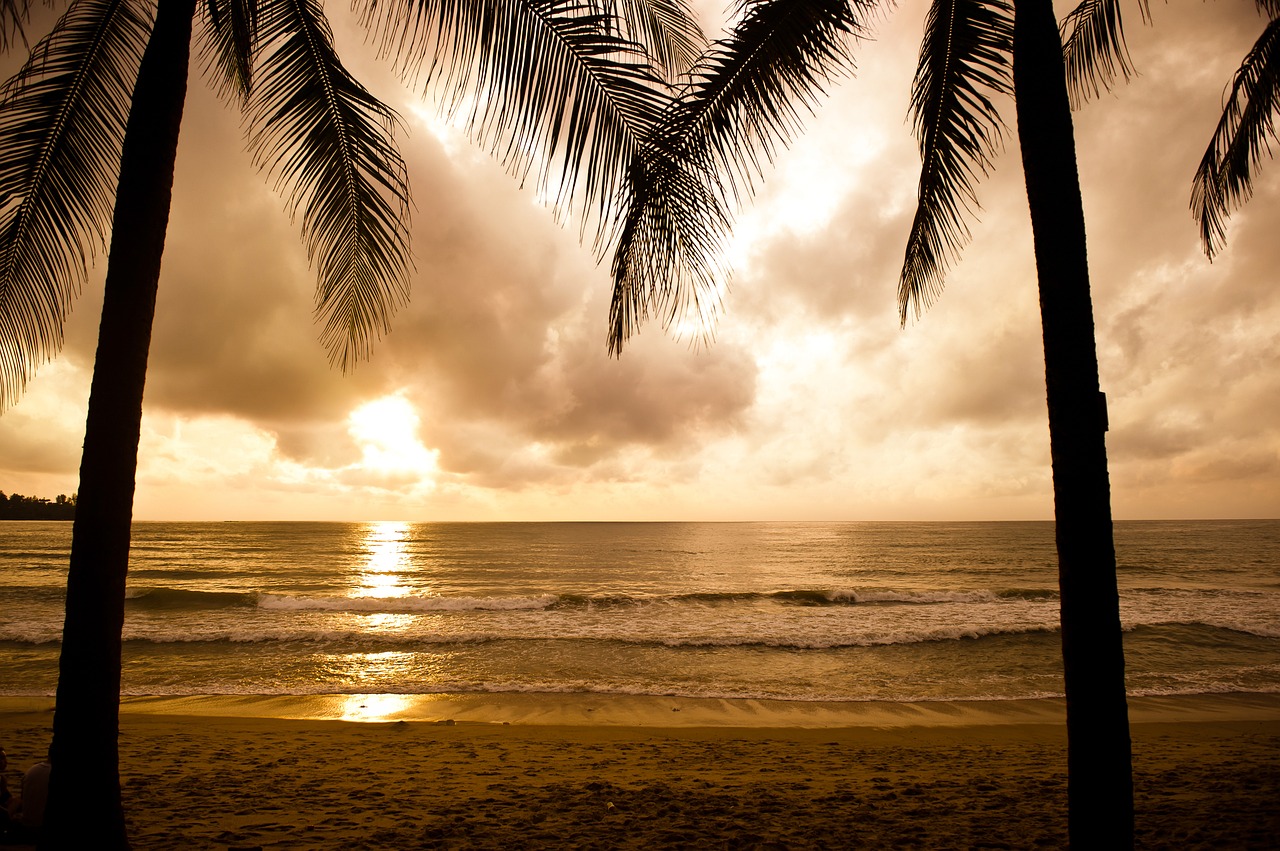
(367, 463)
(493, 398)
(386, 430)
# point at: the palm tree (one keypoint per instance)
(972, 51)
(1095, 55)
(102, 96)
(738, 104)
(1224, 180)
(70, 113)
(1099, 762)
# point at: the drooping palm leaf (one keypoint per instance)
(668, 257)
(13, 15)
(550, 84)
(1093, 47)
(230, 43)
(746, 97)
(742, 101)
(965, 58)
(1224, 180)
(329, 145)
(62, 120)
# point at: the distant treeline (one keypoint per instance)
(19, 507)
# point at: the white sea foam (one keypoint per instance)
(917, 597)
(405, 605)
(794, 611)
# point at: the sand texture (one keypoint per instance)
(236, 782)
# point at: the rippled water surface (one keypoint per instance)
(805, 611)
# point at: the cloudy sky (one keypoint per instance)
(493, 397)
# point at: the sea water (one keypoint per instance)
(790, 611)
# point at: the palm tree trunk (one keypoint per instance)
(85, 808)
(1100, 785)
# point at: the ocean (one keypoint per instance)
(766, 611)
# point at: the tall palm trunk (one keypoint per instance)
(1100, 786)
(85, 806)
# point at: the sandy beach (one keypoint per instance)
(656, 774)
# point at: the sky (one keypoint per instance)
(493, 398)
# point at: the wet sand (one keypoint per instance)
(663, 774)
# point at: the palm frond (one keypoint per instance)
(231, 39)
(13, 14)
(330, 146)
(545, 83)
(667, 28)
(669, 254)
(964, 60)
(62, 122)
(1094, 50)
(1224, 180)
(740, 103)
(746, 97)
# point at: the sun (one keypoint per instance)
(386, 430)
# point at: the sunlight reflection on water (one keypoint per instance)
(385, 622)
(387, 562)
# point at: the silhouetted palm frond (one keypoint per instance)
(329, 144)
(668, 258)
(545, 83)
(745, 97)
(1224, 179)
(668, 29)
(1093, 47)
(13, 15)
(62, 122)
(230, 45)
(964, 59)
(740, 102)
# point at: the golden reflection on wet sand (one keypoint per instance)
(373, 707)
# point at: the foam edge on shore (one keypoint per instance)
(652, 711)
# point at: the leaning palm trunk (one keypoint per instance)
(1100, 790)
(85, 805)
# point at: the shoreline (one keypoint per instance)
(1206, 774)
(611, 710)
